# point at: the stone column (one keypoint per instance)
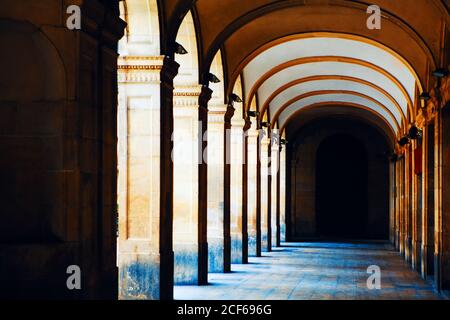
(397, 191)
(407, 207)
(439, 200)
(254, 231)
(402, 205)
(428, 183)
(58, 150)
(216, 189)
(245, 194)
(392, 202)
(415, 239)
(189, 224)
(274, 167)
(227, 188)
(442, 216)
(283, 193)
(143, 257)
(236, 195)
(204, 98)
(264, 195)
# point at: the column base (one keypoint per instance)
(186, 264)
(237, 254)
(265, 244)
(216, 255)
(139, 276)
(283, 232)
(253, 250)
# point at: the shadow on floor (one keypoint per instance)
(315, 271)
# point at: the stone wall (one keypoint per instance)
(302, 222)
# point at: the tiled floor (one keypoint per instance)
(303, 271)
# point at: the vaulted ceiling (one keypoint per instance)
(295, 54)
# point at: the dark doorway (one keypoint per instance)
(341, 188)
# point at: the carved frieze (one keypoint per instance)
(140, 69)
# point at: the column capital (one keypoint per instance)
(265, 142)
(275, 148)
(217, 112)
(252, 133)
(140, 69)
(187, 96)
(237, 123)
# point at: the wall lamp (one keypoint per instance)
(253, 114)
(404, 141)
(212, 78)
(440, 73)
(415, 133)
(179, 49)
(235, 98)
(283, 142)
(425, 96)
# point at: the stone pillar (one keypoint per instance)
(283, 193)
(433, 194)
(227, 188)
(254, 231)
(143, 257)
(189, 219)
(236, 186)
(407, 212)
(217, 221)
(439, 195)
(274, 168)
(264, 195)
(245, 193)
(427, 225)
(204, 98)
(442, 222)
(402, 206)
(415, 228)
(397, 190)
(58, 169)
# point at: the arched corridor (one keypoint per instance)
(226, 149)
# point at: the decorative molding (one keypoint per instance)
(140, 69)
(187, 96)
(216, 113)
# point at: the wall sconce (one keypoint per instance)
(425, 96)
(235, 98)
(404, 141)
(212, 78)
(253, 114)
(415, 133)
(275, 138)
(283, 142)
(440, 73)
(179, 49)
